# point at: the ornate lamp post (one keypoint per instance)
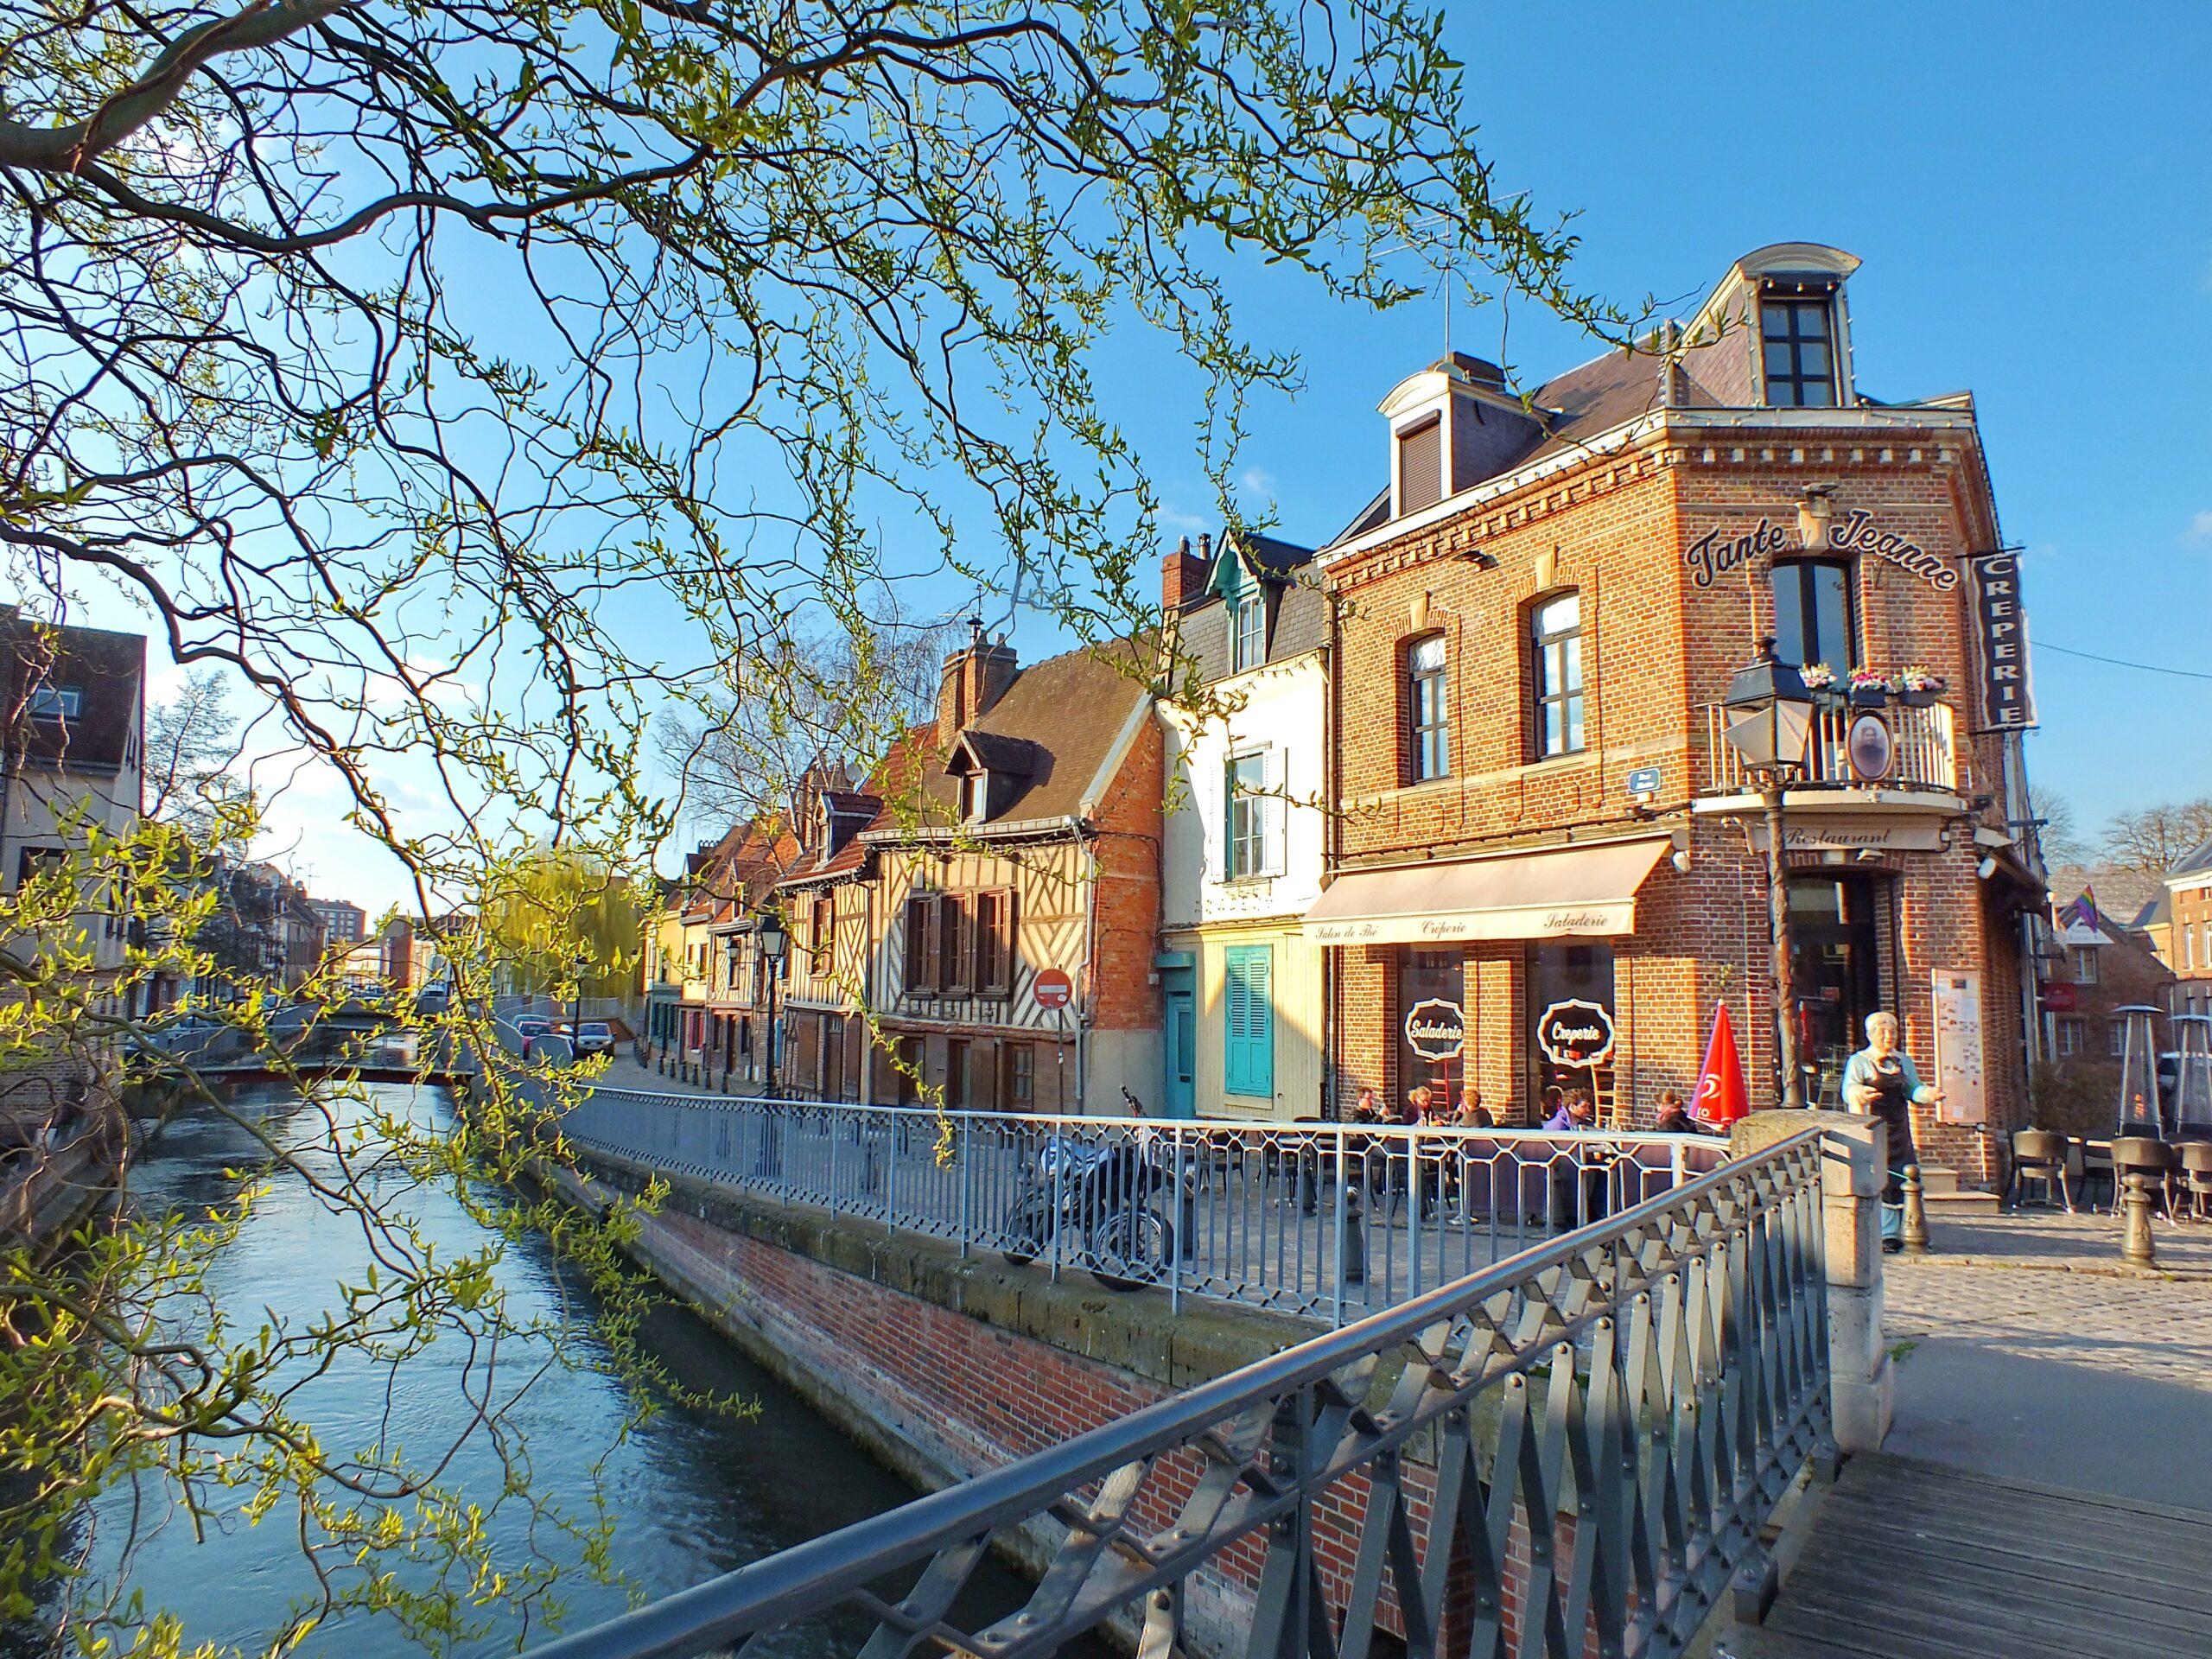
(1769, 715)
(768, 934)
(579, 964)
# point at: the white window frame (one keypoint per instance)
(55, 703)
(1248, 632)
(2085, 965)
(1248, 816)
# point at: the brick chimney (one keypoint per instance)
(1182, 578)
(975, 678)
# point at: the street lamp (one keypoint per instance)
(1769, 716)
(580, 963)
(768, 934)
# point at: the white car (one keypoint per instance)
(592, 1037)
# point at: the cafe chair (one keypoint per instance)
(2144, 1155)
(2097, 1173)
(2196, 1177)
(2039, 1155)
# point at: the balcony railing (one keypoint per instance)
(1924, 753)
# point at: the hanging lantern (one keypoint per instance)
(2138, 1074)
(2192, 1106)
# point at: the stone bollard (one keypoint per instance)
(1915, 1234)
(2135, 1247)
(1354, 1236)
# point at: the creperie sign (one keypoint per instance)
(2008, 701)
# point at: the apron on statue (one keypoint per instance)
(1894, 1107)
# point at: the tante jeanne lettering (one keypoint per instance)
(1710, 556)
(1857, 534)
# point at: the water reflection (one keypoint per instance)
(691, 1493)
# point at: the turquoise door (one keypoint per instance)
(1181, 1099)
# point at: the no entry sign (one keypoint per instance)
(1053, 988)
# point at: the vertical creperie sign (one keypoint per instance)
(2008, 701)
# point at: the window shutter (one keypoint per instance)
(1234, 1048)
(1277, 812)
(1421, 466)
(1259, 1020)
(926, 947)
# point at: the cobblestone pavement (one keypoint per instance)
(2025, 1350)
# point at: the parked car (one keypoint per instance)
(592, 1037)
(530, 1028)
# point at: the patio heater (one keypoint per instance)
(1769, 713)
(2192, 1101)
(2139, 1115)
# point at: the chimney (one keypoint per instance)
(975, 678)
(1182, 578)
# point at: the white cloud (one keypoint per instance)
(1257, 481)
(1171, 518)
(2199, 533)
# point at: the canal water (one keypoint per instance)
(692, 1493)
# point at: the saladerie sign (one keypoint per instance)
(2008, 701)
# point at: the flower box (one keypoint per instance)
(1920, 697)
(1869, 697)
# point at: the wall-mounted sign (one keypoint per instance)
(2008, 700)
(1053, 989)
(1714, 554)
(1844, 832)
(1958, 1046)
(1709, 556)
(1872, 752)
(1575, 1032)
(2061, 998)
(1858, 533)
(1436, 1029)
(1644, 780)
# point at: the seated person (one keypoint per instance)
(1574, 1112)
(1674, 1117)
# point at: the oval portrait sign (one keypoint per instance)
(1435, 1029)
(1575, 1032)
(1871, 749)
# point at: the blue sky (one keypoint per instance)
(2031, 188)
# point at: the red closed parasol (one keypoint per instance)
(1720, 1097)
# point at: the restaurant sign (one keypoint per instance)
(2008, 700)
(1575, 1032)
(1436, 1029)
(1809, 832)
(1714, 554)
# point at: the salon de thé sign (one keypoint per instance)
(1713, 556)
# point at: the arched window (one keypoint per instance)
(1555, 663)
(1813, 620)
(1428, 724)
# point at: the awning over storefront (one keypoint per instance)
(1548, 895)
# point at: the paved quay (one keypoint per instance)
(2027, 1350)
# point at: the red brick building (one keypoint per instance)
(1541, 833)
(2189, 889)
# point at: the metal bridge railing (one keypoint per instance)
(1319, 1220)
(1569, 1452)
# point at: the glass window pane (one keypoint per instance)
(1775, 319)
(1574, 723)
(1815, 394)
(1570, 678)
(1560, 615)
(1813, 360)
(1812, 320)
(1428, 655)
(1832, 640)
(1790, 615)
(1552, 728)
(1780, 362)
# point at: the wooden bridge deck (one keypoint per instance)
(1916, 1560)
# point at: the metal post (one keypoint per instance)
(1915, 1233)
(834, 1138)
(1060, 1197)
(1340, 1180)
(1785, 995)
(963, 1144)
(891, 1184)
(2135, 1246)
(1175, 1231)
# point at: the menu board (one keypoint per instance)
(1958, 1047)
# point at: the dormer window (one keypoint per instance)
(974, 797)
(55, 701)
(1247, 625)
(1421, 464)
(1797, 344)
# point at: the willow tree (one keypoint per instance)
(475, 382)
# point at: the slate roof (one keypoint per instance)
(1298, 618)
(108, 669)
(2198, 857)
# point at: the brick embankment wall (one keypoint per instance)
(944, 1368)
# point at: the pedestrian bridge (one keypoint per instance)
(1499, 1437)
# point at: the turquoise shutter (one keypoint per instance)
(1248, 1048)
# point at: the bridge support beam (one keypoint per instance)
(1862, 1382)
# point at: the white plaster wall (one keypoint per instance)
(1283, 706)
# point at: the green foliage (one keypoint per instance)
(472, 382)
(549, 909)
